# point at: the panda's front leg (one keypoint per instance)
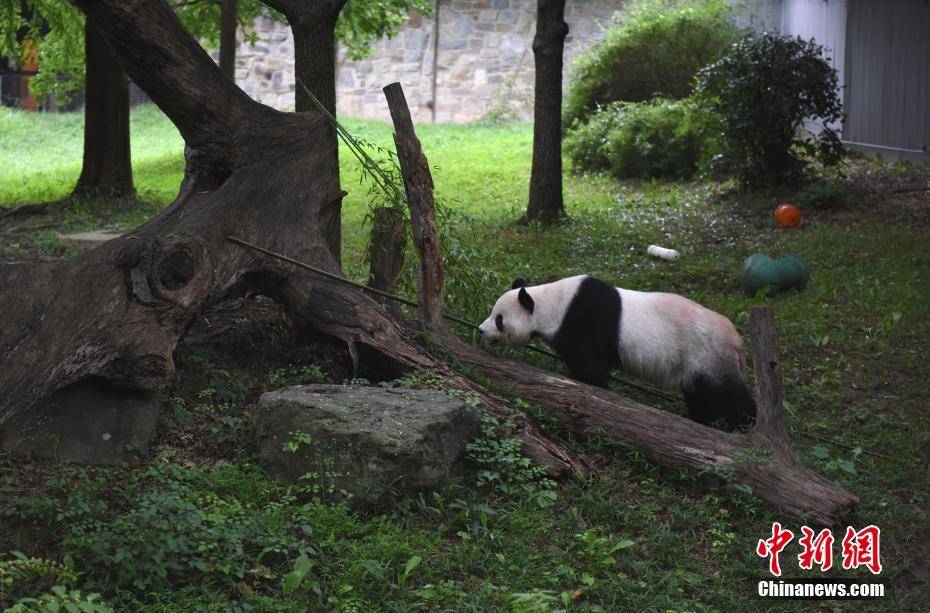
(588, 369)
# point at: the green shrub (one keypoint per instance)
(652, 47)
(170, 525)
(504, 468)
(823, 194)
(661, 138)
(764, 90)
(39, 584)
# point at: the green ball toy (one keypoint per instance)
(759, 271)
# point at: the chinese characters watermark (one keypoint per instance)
(859, 548)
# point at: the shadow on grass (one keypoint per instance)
(156, 180)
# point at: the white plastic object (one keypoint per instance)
(661, 252)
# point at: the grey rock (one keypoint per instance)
(452, 45)
(462, 27)
(381, 443)
(416, 40)
(88, 423)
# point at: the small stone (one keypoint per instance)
(86, 422)
(87, 240)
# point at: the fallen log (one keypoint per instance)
(761, 460)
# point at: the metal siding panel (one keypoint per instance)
(888, 73)
(879, 48)
(889, 128)
(917, 106)
(823, 21)
(901, 25)
(855, 40)
(920, 104)
(923, 77)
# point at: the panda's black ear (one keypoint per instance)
(526, 300)
(518, 282)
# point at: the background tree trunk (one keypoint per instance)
(545, 202)
(107, 169)
(229, 10)
(315, 55)
(313, 24)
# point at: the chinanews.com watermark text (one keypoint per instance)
(818, 589)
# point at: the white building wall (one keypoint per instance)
(823, 21)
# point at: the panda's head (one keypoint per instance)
(511, 321)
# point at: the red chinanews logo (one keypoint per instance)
(859, 548)
(817, 550)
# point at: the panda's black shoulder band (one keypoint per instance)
(526, 300)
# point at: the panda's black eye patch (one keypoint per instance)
(499, 322)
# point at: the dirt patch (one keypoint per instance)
(253, 335)
(914, 581)
(233, 353)
(899, 192)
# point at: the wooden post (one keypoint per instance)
(552, 455)
(770, 393)
(388, 243)
(418, 183)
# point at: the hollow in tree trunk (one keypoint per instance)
(107, 169)
(229, 10)
(545, 204)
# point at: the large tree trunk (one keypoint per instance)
(111, 318)
(107, 167)
(546, 203)
(313, 24)
(229, 23)
(116, 313)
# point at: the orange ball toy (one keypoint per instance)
(788, 215)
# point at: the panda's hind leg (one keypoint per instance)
(710, 401)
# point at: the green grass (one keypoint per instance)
(853, 347)
(40, 155)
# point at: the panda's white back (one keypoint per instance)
(669, 339)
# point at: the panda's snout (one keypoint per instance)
(487, 332)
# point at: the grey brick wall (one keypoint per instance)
(483, 62)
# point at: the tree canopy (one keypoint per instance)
(362, 22)
(57, 29)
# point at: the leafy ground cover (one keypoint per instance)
(197, 525)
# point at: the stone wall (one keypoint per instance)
(481, 63)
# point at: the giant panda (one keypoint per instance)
(663, 338)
